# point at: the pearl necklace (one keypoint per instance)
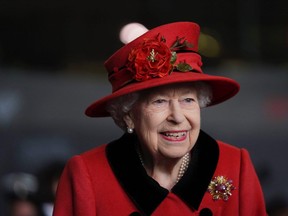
(183, 167)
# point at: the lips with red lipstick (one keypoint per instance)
(174, 135)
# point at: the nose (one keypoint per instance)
(176, 114)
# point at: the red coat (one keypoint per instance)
(109, 180)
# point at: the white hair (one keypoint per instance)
(121, 106)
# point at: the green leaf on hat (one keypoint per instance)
(183, 67)
(181, 43)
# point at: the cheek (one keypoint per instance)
(147, 131)
(147, 126)
(151, 121)
(198, 119)
(195, 122)
(149, 118)
(194, 118)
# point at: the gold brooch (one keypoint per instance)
(221, 188)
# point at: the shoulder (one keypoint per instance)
(86, 160)
(95, 156)
(232, 156)
(227, 148)
(95, 152)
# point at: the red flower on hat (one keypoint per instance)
(150, 59)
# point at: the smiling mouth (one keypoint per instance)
(172, 136)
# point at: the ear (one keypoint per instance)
(129, 120)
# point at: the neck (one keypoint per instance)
(167, 179)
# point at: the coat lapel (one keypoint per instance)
(144, 191)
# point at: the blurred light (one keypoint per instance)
(209, 46)
(277, 108)
(20, 184)
(131, 31)
(10, 102)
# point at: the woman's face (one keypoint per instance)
(167, 120)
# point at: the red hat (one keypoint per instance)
(164, 55)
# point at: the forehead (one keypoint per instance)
(182, 88)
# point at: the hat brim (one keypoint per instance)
(223, 88)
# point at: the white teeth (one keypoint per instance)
(175, 134)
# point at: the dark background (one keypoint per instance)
(61, 34)
(51, 68)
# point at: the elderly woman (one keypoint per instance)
(164, 164)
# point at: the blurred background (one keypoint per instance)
(51, 69)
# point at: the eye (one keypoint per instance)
(189, 100)
(159, 101)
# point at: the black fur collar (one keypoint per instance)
(144, 191)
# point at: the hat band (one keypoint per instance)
(121, 76)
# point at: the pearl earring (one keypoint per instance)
(130, 130)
